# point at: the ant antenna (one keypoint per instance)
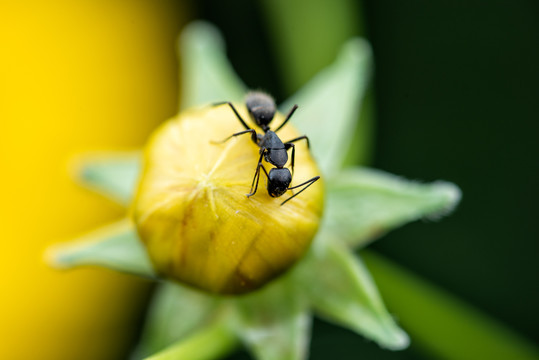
(308, 182)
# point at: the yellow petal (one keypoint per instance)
(193, 214)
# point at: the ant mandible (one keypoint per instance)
(261, 108)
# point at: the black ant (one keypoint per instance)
(261, 108)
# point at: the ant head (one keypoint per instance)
(278, 181)
(261, 108)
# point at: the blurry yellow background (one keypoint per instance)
(74, 76)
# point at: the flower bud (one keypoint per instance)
(193, 215)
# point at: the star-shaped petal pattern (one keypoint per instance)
(361, 205)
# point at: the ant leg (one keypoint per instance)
(287, 146)
(287, 117)
(257, 176)
(252, 131)
(307, 183)
(235, 112)
(301, 138)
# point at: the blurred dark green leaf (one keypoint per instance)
(307, 34)
(329, 105)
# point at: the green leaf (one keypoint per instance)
(176, 311)
(210, 343)
(330, 104)
(362, 204)
(274, 322)
(115, 246)
(112, 174)
(206, 73)
(442, 325)
(341, 290)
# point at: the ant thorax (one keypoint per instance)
(274, 149)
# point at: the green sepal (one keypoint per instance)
(112, 174)
(176, 312)
(274, 322)
(362, 204)
(341, 290)
(330, 103)
(115, 246)
(206, 74)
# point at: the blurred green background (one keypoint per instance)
(454, 97)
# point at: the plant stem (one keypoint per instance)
(208, 344)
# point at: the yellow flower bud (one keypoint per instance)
(193, 215)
